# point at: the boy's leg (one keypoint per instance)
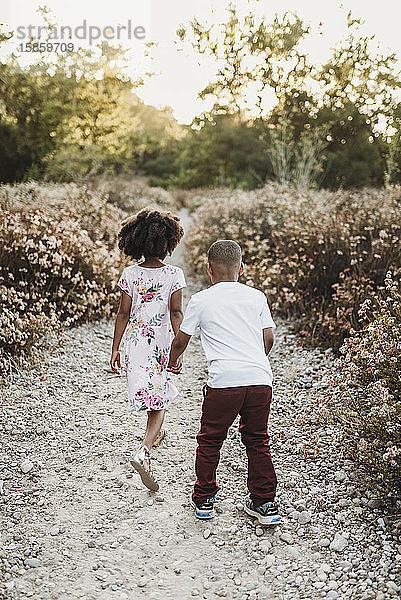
(219, 409)
(254, 413)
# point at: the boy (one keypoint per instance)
(236, 331)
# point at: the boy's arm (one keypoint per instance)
(268, 339)
(180, 342)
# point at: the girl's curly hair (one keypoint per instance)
(150, 233)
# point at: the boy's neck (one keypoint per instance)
(224, 279)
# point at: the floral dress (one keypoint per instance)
(149, 334)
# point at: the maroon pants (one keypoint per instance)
(220, 408)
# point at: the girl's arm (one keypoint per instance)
(176, 312)
(180, 342)
(176, 317)
(122, 318)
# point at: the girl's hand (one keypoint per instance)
(115, 361)
(177, 368)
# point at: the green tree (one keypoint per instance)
(326, 134)
(250, 52)
(76, 116)
(222, 149)
(358, 74)
(34, 102)
(354, 155)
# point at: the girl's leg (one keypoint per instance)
(155, 422)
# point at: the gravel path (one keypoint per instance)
(77, 523)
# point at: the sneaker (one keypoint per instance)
(141, 463)
(267, 514)
(204, 510)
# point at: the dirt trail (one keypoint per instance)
(79, 524)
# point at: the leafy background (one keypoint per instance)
(309, 188)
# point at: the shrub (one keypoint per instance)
(58, 261)
(221, 150)
(99, 205)
(52, 275)
(90, 208)
(130, 194)
(316, 254)
(367, 398)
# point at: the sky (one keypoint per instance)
(178, 75)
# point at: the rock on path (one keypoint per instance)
(77, 523)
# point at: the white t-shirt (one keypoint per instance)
(231, 317)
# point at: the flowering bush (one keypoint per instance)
(98, 206)
(131, 194)
(367, 398)
(316, 254)
(58, 260)
(52, 275)
(322, 258)
(91, 209)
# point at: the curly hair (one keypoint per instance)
(150, 233)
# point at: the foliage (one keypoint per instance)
(123, 136)
(98, 206)
(297, 161)
(91, 209)
(333, 149)
(393, 160)
(323, 130)
(58, 258)
(221, 150)
(358, 72)
(52, 275)
(317, 254)
(4, 35)
(75, 117)
(163, 168)
(247, 50)
(354, 155)
(367, 398)
(130, 194)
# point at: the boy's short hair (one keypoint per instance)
(226, 253)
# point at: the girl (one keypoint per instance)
(150, 307)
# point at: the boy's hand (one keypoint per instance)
(175, 368)
(115, 361)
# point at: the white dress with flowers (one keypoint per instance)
(149, 334)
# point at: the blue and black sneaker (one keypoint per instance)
(266, 514)
(204, 510)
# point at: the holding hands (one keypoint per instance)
(172, 367)
(180, 342)
(175, 367)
